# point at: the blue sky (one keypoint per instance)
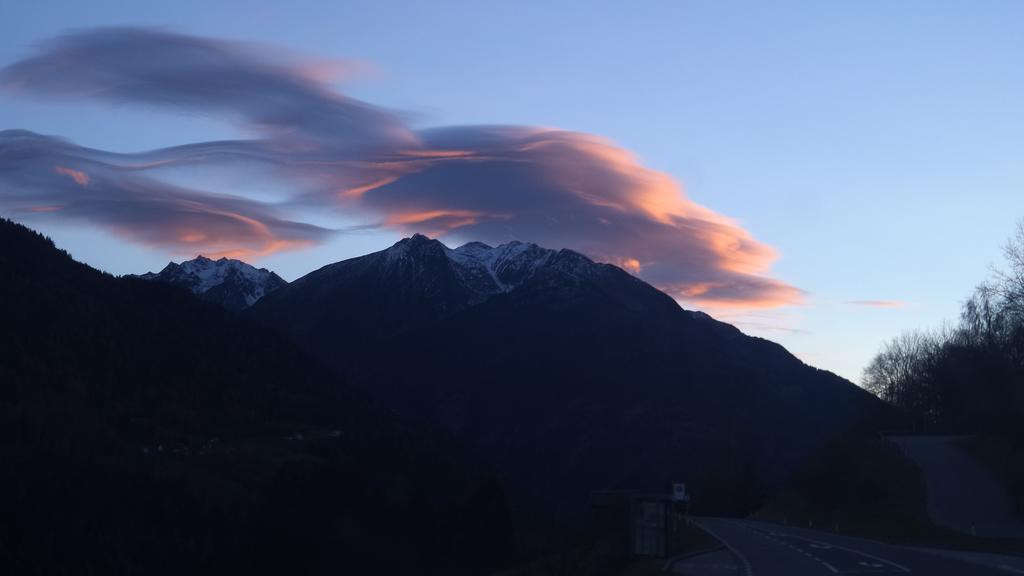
(875, 145)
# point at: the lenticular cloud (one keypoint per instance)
(340, 156)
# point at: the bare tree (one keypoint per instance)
(897, 367)
(903, 373)
(1009, 282)
(982, 319)
(963, 376)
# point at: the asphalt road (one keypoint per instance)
(763, 549)
(961, 493)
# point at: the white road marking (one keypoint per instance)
(825, 546)
(1011, 569)
(872, 556)
(790, 546)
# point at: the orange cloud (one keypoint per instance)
(192, 237)
(117, 194)
(764, 293)
(232, 235)
(357, 191)
(465, 216)
(557, 188)
(631, 265)
(215, 234)
(578, 191)
(435, 222)
(80, 178)
(255, 253)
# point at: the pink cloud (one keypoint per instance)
(341, 156)
(878, 303)
(80, 178)
(566, 189)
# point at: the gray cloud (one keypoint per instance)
(574, 190)
(270, 92)
(45, 175)
(491, 183)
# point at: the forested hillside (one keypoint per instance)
(143, 431)
(968, 377)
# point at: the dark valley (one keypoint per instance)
(511, 289)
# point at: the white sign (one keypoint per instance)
(679, 492)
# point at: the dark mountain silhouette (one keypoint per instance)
(569, 376)
(231, 283)
(143, 431)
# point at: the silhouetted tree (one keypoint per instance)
(969, 377)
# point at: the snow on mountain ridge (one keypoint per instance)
(505, 266)
(232, 282)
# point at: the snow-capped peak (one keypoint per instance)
(233, 283)
(506, 265)
(210, 273)
(481, 269)
(406, 246)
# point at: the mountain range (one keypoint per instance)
(231, 283)
(568, 376)
(145, 431)
(466, 402)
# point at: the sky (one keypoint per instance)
(823, 174)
